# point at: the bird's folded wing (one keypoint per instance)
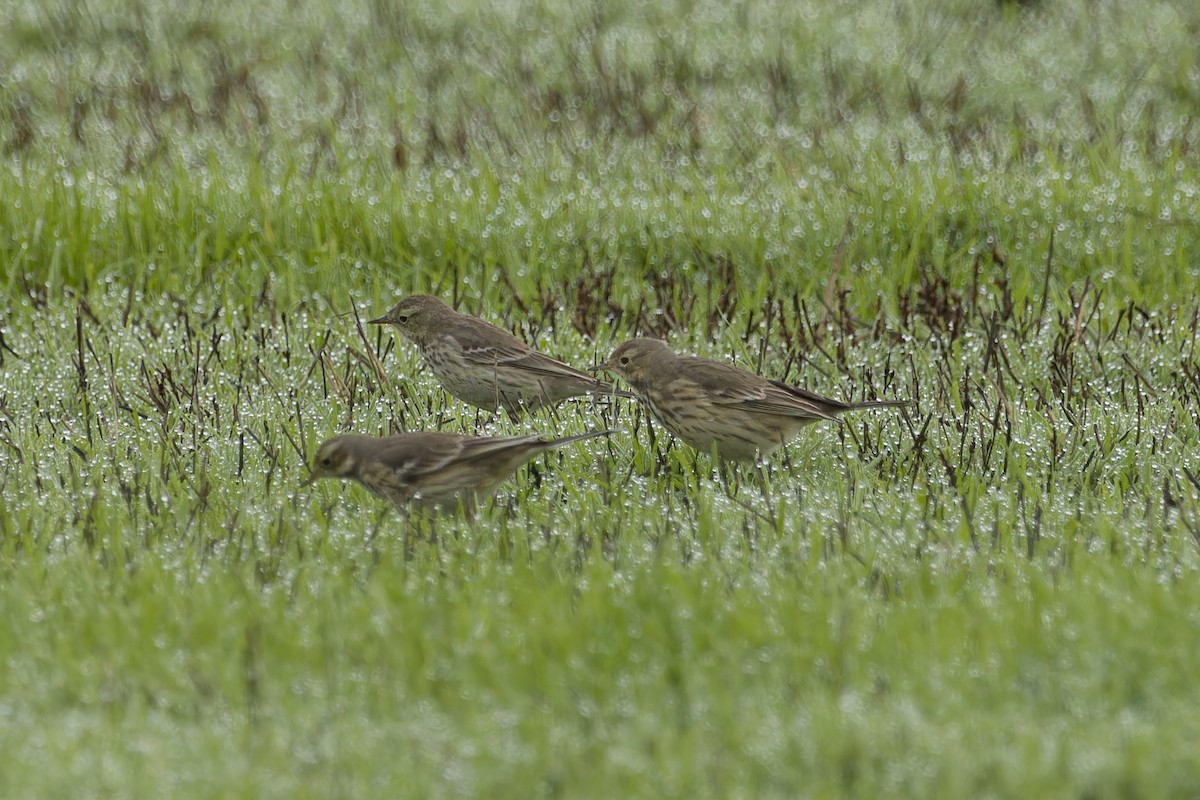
(827, 404)
(736, 388)
(772, 400)
(486, 345)
(416, 457)
(505, 355)
(469, 449)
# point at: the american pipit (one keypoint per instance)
(707, 403)
(430, 469)
(483, 365)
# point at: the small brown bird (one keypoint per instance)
(707, 403)
(430, 469)
(483, 365)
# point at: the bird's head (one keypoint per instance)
(335, 459)
(414, 315)
(638, 361)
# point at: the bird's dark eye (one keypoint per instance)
(402, 319)
(623, 361)
(327, 461)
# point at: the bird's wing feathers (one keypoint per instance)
(432, 452)
(533, 361)
(485, 446)
(413, 455)
(534, 443)
(438, 453)
(489, 346)
(771, 399)
(730, 386)
(484, 342)
(523, 357)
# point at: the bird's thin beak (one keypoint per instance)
(600, 367)
(380, 321)
(312, 478)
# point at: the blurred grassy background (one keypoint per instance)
(552, 138)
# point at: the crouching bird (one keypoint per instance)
(431, 470)
(710, 404)
(483, 365)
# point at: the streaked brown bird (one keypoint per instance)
(433, 470)
(483, 365)
(711, 404)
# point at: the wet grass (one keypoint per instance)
(990, 209)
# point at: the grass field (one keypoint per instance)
(988, 208)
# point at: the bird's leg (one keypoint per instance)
(760, 478)
(407, 536)
(511, 404)
(544, 398)
(468, 505)
(730, 480)
(497, 392)
(763, 479)
(377, 525)
(491, 418)
(433, 532)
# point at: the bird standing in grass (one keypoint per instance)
(711, 404)
(483, 365)
(434, 470)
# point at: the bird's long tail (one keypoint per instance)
(878, 404)
(579, 437)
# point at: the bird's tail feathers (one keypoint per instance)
(880, 404)
(608, 390)
(579, 437)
